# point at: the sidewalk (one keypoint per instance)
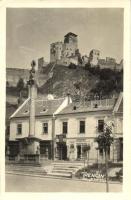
(60, 178)
(39, 171)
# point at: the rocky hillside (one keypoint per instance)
(83, 83)
(78, 81)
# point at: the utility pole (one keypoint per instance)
(106, 163)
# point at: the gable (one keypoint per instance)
(42, 108)
(119, 104)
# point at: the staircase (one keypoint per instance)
(56, 169)
(64, 169)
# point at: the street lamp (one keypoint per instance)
(97, 148)
(86, 150)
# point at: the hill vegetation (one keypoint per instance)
(83, 83)
(79, 81)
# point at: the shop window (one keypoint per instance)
(65, 127)
(8, 130)
(45, 128)
(100, 125)
(82, 126)
(45, 149)
(19, 129)
(101, 152)
(13, 148)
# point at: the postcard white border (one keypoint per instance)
(127, 94)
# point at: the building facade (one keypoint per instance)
(64, 128)
(80, 125)
(43, 126)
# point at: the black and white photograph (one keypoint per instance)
(64, 99)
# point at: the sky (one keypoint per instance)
(30, 31)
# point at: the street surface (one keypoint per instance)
(19, 183)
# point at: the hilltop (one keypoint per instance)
(67, 80)
(78, 81)
(83, 81)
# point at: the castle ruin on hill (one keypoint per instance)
(67, 52)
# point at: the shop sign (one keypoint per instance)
(82, 140)
(60, 138)
(93, 176)
(71, 141)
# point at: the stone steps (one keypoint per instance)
(54, 169)
(65, 169)
(62, 171)
(54, 174)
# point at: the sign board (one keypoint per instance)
(93, 176)
(82, 141)
(61, 138)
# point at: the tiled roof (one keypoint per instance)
(89, 106)
(42, 107)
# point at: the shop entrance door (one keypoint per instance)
(121, 149)
(78, 151)
(62, 150)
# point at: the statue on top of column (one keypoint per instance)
(32, 73)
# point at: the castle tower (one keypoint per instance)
(70, 44)
(94, 57)
(71, 38)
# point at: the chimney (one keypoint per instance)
(33, 94)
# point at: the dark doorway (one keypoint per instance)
(121, 149)
(62, 149)
(45, 149)
(79, 151)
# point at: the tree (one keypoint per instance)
(20, 86)
(104, 141)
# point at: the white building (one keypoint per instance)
(44, 119)
(63, 128)
(83, 123)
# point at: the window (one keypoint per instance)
(19, 129)
(45, 128)
(100, 125)
(65, 124)
(82, 126)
